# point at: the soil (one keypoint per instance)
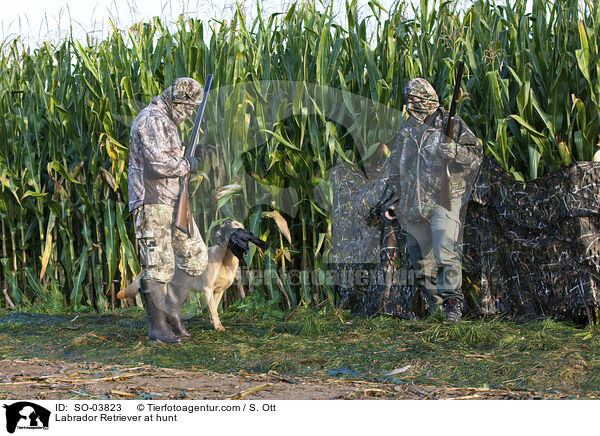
(54, 380)
(40, 379)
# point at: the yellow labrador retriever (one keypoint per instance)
(231, 245)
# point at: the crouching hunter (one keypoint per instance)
(168, 256)
(420, 155)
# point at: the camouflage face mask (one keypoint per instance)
(181, 112)
(182, 97)
(421, 99)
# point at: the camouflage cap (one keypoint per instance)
(420, 88)
(421, 99)
(185, 90)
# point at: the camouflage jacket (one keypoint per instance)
(417, 164)
(155, 157)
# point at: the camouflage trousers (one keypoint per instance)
(162, 246)
(432, 248)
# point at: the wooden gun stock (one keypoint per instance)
(445, 191)
(183, 211)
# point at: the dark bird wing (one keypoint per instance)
(258, 242)
(238, 242)
(238, 245)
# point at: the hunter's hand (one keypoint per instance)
(447, 149)
(193, 163)
(390, 214)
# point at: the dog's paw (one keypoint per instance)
(219, 327)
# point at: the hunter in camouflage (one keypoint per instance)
(156, 164)
(432, 230)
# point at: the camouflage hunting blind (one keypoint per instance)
(530, 249)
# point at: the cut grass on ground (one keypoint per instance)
(545, 356)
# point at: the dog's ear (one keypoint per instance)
(218, 231)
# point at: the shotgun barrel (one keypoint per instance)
(445, 190)
(183, 211)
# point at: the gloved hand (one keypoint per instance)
(193, 163)
(447, 149)
(390, 214)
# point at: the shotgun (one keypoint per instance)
(183, 211)
(445, 193)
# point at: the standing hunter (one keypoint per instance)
(156, 164)
(420, 152)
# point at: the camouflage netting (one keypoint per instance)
(530, 249)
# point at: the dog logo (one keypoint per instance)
(26, 415)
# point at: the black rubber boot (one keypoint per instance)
(178, 290)
(153, 297)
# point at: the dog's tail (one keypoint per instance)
(238, 243)
(131, 290)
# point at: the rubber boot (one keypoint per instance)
(153, 297)
(178, 290)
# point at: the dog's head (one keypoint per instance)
(222, 234)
